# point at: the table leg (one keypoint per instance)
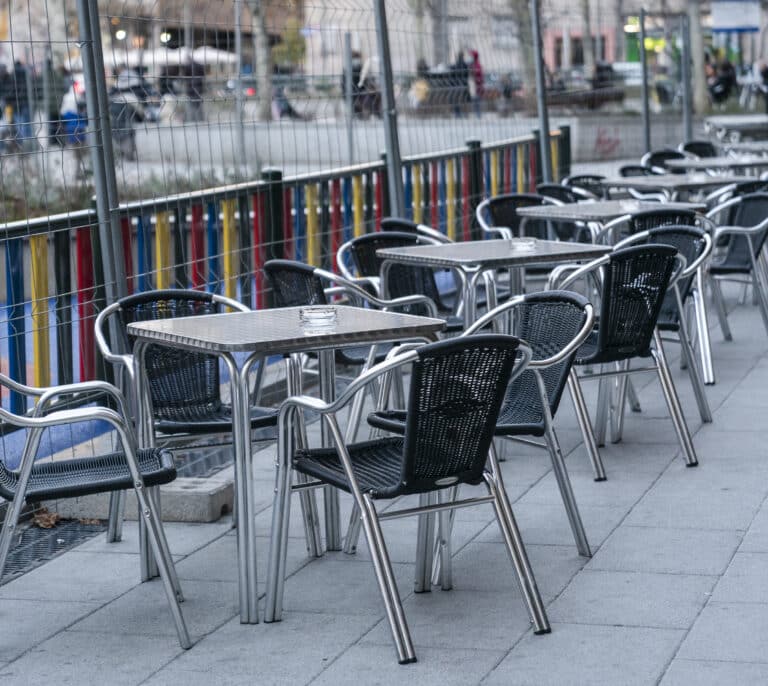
(327, 363)
(702, 331)
(241, 444)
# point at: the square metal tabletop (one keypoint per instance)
(672, 182)
(282, 331)
(493, 253)
(723, 162)
(755, 147)
(600, 211)
(737, 122)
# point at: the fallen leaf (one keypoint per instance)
(44, 519)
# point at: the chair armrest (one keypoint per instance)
(740, 230)
(600, 236)
(715, 211)
(504, 232)
(101, 387)
(354, 289)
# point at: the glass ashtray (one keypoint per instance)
(317, 317)
(523, 244)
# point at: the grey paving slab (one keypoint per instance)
(77, 576)
(547, 524)
(460, 619)
(627, 457)
(715, 443)
(744, 580)
(711, 673)
(183, 539)
(375, 665)
(670, 601)
(345, 586)
(487, 567)
(756, 538)
(728, 631)
(74, 658)
(671, 551)
(289, 652)
(22, 625)
(144, 611)
(588, 654)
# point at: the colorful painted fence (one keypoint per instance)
(219, 238)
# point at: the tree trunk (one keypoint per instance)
(619, 50)
(522, 10)
(262, 67)
(700, 94)
(588, 46)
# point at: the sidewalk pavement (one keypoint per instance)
(675, 594)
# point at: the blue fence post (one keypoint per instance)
(17, 353)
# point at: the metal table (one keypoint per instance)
(724, 162)
(672, 184)
(261, 333)
(754, 147)
(752, 124)
(602, 210)
(473, 258)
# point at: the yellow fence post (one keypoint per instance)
(418, 215)
(229, 246)
(358, 218)
(494, 162)
(450, 198)
(41, 370)
(313, 229)
(163, 250)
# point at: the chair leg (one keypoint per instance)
(12, 514)
(582, 415)
(759, 293)
(673, 403)
(722, 313)
(424, 546)
(632, 398)
(702, 331)
(566, 492)
(445, 529)
(116, 516)
(386, 580)
(603, 407)
(693, 371)
(165, 566)
(514, 542)
(619, 406)
(148, 563)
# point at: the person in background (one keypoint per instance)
(476, 82)
(20, 103)
(460, 79)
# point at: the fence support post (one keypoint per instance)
(102, 154)
(475, 185)
(545, 160)
(273, 217)
(644, 94)
(565, 151)
(685, 28)
(391, 140)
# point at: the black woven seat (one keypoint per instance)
(652, 219)
(101, 474)
(185, 386)
(457, 387)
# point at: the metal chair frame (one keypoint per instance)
(119, 420)
(371, 518)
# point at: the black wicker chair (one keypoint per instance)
(695, 246)
(592, 183)
(632, 288)
(700, 148)
(629, 170)
(457, 388)
(739, 240)
(125, 469)
(554, 324)
(403, 280)
(498, 216)
(185, 386)
(633, 223)
(656, 160)
(564, 194)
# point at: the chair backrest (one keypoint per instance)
(294, 284)
(399, 224)
(751, 210)
(651, 219)
(700, 148)
(690, 242)
(179, 380)
(588, 182)
(547, 321)
(558, 192)
(656, 159)
(502, 211)
(402, 279)
(456, 391)
(749, 187)
(629, 170)
(635, 282)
